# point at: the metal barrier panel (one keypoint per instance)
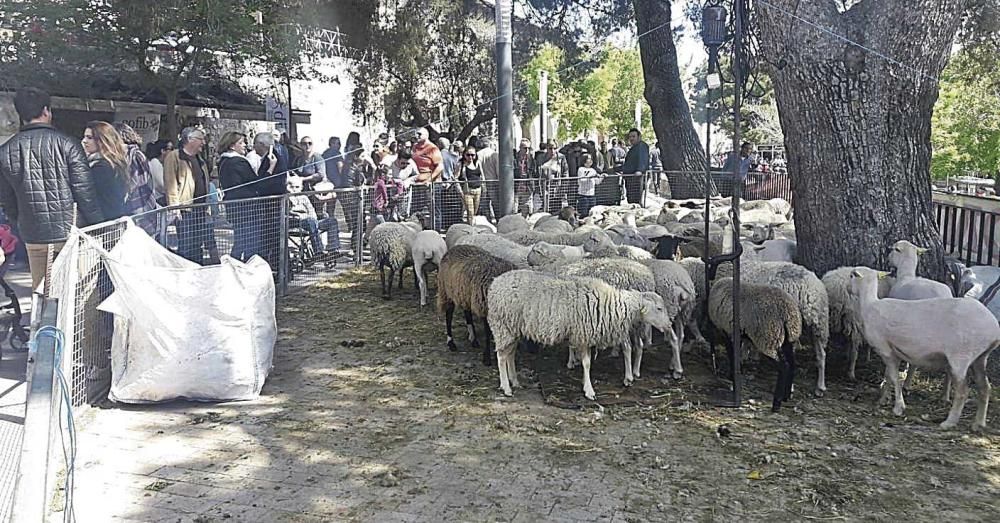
(967, 233)
(691, 184)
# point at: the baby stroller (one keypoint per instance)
(11, 329)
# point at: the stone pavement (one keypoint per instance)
(12, 394)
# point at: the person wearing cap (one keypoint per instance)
(185, 180)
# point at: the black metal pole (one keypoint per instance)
(505, 107)
(739, 14)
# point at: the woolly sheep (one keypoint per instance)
(562, 238)
(696, 270)
(653, 231)
(499, 246)
(584, 312)
(770, 318)
(922, 333)
(908, 286)
(457, 232)
(464, 278)
(511, 223)
(980, 282)
(674, 285)
(845, 318)
(390, 245)
(428, 247)
(807, 290)
(533, 219)
(552, 224)
(544, 253)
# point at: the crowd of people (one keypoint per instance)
(50, 182)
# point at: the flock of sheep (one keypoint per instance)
(608, 280)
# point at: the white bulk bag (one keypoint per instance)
(183, 330)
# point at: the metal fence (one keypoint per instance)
(691, 184)
(968, 227)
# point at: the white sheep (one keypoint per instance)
(845, 318)
(428, 248)
(770, 318)
(770, 250)
(808, 291)
(545, 253)
(457, 232)
(674, 285)
(391, 245)
(586, 313)
(578, 237)
(511, 223)
(908, 286)
(924, 334)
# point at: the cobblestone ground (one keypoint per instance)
(399, 429)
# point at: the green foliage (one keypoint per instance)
(601, 99)
(965, 129)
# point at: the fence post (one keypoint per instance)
(360, 227)
(283, 248)
(433, 205)
(545, 194)
(645, 188)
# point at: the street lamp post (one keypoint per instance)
(713, 34)
(543, 99)
(505, 106)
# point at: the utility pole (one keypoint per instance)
(292, 135)
(505, 105)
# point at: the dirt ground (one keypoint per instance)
(384, 389)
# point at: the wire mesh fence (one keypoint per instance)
(682, 185)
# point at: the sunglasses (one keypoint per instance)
(470, 155)
(307, 143)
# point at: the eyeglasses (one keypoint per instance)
(307, 143)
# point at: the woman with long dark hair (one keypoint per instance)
(106, 155)
(470, 174)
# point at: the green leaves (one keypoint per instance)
(965, 129)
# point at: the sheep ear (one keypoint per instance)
(882, 275)
(857, 274)
(922, 250)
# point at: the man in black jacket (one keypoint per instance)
(43, 177)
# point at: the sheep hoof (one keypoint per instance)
(570, 366)
(819, 393)
(475, 344)
(898, 411)
(978, 427)
(451, 346)
(851, 376)
(507, 392)
(627, 382)
(678, 374)
(948, 424)
(590, 395)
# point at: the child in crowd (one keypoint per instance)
(589, 178)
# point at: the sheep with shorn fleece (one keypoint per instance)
(586, 313)
(845, 318)
(457, 232)
(391, 246)
(924, 334)
(674, 285)
(807, 290)
(428, 248)
(769, 318)
(552, 224)
(464, 278)
(908, 286)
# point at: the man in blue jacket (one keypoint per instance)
(636, 163)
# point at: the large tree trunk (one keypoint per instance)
(857, 126)
(680, 149)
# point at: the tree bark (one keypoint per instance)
(857, 126)
(680, 149)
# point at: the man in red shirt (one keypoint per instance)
(430, 165)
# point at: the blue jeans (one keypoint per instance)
(246, 230)
(312, 227)
(583, 205)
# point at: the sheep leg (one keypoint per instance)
(512, 370)
(401, 271)
(910, 372)
(449, 314)
(789, 356)
(588, 387)
(392, 273)
(692, 325)
(779, 384)
(381, 271)
(947, 387)
(675, 363)
(853, 354)
(571, 361)
(983, 384)
(958, 402)
(420, 283)
(471, 327)
(486, 345)
(679, 331)
(637, 362)
(892, 378)
(820, 370)
(648, 331)
(505, 349)
(627, 349)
